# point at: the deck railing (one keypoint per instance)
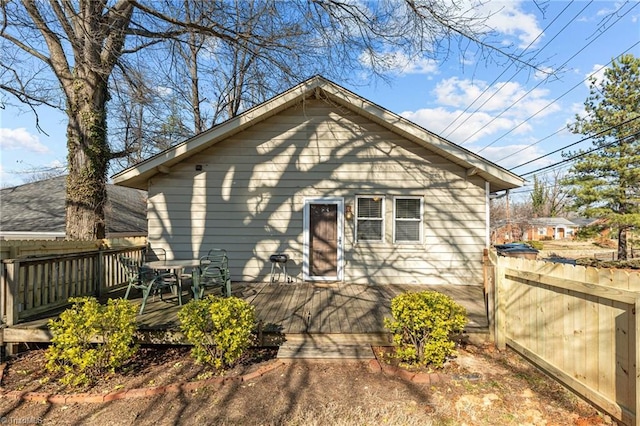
(33, 285)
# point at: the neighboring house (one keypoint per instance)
(37, 210)
(350, 191)
(600, 227)
(506, 232)
(551, 228)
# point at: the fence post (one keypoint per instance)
(637, 360)
(4, 293)
(500, 306)
(489, 293)
(13, 280)
(100, 271)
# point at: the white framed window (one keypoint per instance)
(369, 218)
(542, 231)
(407, 220)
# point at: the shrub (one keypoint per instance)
(422, 326)
(538, 245)
(220, 329)
(73, 351)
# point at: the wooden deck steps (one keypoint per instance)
(331, 347)
(325, 352)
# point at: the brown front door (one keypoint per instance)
(323, 240)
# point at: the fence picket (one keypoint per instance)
(36, 284)
(579, 323)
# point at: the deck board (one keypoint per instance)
(301, 308)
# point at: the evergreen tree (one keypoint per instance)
(605, 181)
(538, 197)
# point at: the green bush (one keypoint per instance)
(73, 351)
(422, 326)
(219, 328)
(538, 245)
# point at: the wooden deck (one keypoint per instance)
(354, 311)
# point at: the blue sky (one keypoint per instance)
(508, 117)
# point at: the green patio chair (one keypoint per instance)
(149, 281)
(212, 273)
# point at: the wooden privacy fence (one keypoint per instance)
(578, 324)
(33, 285)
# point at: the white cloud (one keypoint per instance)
(20, 138)
(476, 126)
(164, 91)
(511, 99)
(608, 10)
(514, 155)
(597, 71)
(508, 18)
(543, 73)
(577, 108)
(504, 107)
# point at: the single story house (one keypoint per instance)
(551, 228)
(350, 191)
(36, 210)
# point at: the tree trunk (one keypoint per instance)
(622, 243)
(88, 158)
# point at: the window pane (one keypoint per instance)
(369, 230)
(407, 231)
(408, 208)
(368, 207)
(408, 219)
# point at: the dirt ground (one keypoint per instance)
(486, 387)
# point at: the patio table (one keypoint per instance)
(175, 265)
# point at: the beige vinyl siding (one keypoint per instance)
(249, 197)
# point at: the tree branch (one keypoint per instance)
(58, 60)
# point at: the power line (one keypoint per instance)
(574, 143)
(581, 154)
(529, 188)
(507, 68)
(552, 102)
(530, 145)
(558, 98)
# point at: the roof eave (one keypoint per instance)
(499, 178)
(139, 175)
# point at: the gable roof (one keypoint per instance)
(499, 178)
(552, 221)
(39, 207)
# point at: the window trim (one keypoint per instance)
(420, 220)
(382, 218)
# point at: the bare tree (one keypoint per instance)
(557, 195)
(64, 54)
(549, 196)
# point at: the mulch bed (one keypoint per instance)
(151, 366)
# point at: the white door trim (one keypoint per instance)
(339, 201)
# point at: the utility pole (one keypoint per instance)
(509, 236)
